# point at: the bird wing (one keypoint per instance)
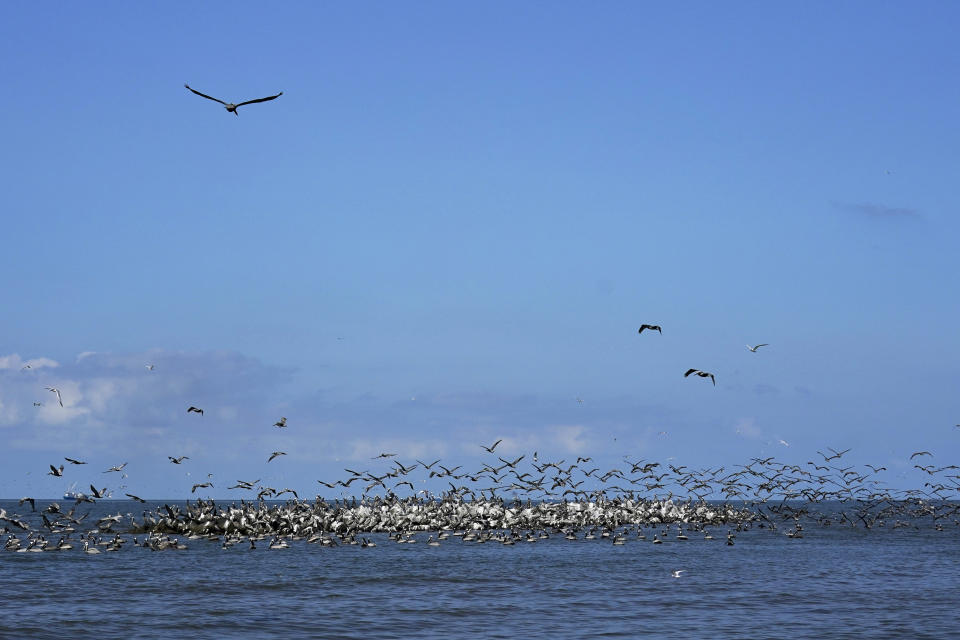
(203, 95)
(689, 371)
(251, 101)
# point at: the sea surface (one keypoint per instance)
(835, 582)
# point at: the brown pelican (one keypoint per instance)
(137, 498)
(281, 423)
(276, 454)
(178, 459)
(702, 374)
(55, 472)
(493, 446)
(117, 468)
(195, 410)
(231, 107)
(72, 461)
(652, 327)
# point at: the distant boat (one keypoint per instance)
(71, 493)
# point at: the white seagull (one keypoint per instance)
(56, 391)
(676, 574)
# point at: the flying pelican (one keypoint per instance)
(282, 422)
(275, 454)
(137, 498)
(200, 486)
(231, 107)
(755, 347)
(117, 468)
(652, 327)
(56, 391)
(493, 446)
(921, 453)
(55, 472)
(195, 410)
(702, 374)
(178, 459)
(72, 461)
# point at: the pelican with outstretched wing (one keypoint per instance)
(229, 106)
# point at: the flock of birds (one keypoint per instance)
(503, 501)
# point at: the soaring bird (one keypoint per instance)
(150, 367)
(137, 498)
(55, 472)
(56, 391)
(72, 461)
(493, 446)
(117, 468)
(702, 374)
(281, 423)
(652, 327)
(200, 486)
(195, 410)
(755, 347)
(676, 574)
(920, 453)
(178, 459)
(231, 107)
(276, 454)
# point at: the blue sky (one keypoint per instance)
(454, 220)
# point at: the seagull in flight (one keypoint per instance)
(676, 574)
(150, 367)
(195, 410)
(652, 327)
(702, 374)
(231, 107)
(276, 454)
(56, 391)
(755, 347)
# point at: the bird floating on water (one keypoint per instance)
(229, 106)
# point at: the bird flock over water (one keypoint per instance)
(514, 500)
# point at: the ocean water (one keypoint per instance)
(835, 582)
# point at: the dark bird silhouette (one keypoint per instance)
(72, 461)
(195, 410)
(229, 106)
(652, 327)
(275, 454)
(55, 472)
(282, 422)
(702, 374)
(755, 347)
(493, 446)
(200, 486)
(137, 498)
(921, 453)
(178, 459)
